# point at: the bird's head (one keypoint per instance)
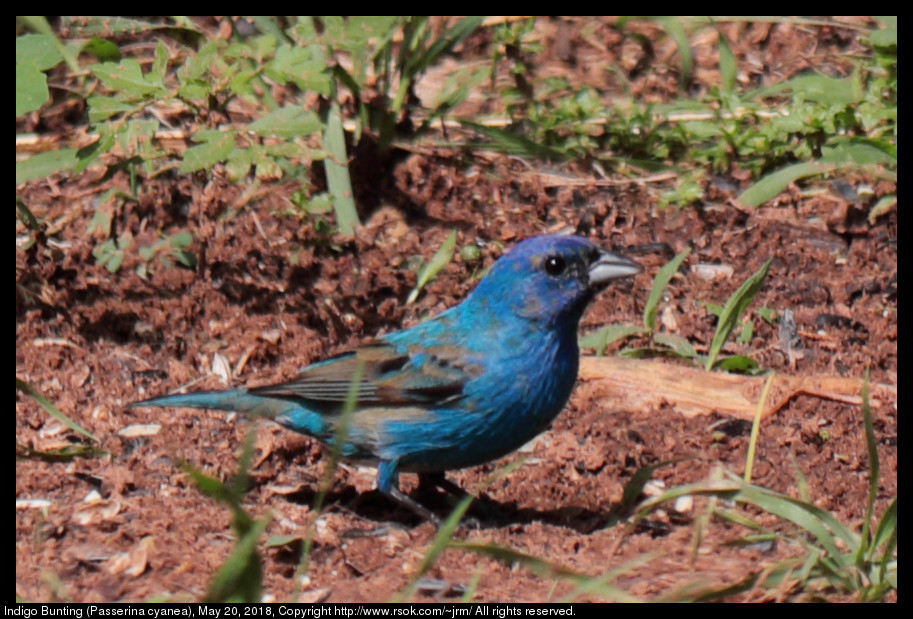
(549, 278)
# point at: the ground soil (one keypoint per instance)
(271, 294)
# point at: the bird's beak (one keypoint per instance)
(609, 266)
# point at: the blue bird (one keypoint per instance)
(463, 388)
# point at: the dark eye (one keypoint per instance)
(555, 265)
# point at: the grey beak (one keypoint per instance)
(609, 266)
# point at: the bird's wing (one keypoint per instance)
(391, 375)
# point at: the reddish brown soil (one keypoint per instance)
(271, 295)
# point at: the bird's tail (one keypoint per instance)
(236, 400)
(284, 411)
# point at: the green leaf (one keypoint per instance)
(88, 154)
(746, 333)
(186, 258)
(181, 240)
(45, 164)
(35, 53)
(267, 169)
(114, 261)
(216, 147)
(885, 37)
(769, 315)
(604, 336)
(27, 217)
(287, 122)
(100, 222)
(39, 50)
(103, 50)
(192, 90)
(735, 305)
(677, 344)
(102, 108)
(299, 65)
(126, 79)
(819, 89)
(277, 541)
(240, 160)
(31, 89)
(147, 252)
(737, 364)
(713, 308)
(858, 153)
(439, 260)
(159, 65)
(319, 203)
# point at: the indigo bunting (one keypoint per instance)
(468, 386)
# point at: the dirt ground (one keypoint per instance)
(271, 295)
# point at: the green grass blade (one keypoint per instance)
(515, 144)
(340, 437)
(810, 518)
(337, 170)
(677, 32)
(887, 527)
(63, 454)
(874, 468)
(756, 427)
(52, 410)
(726, 487)
(728, 65)
(439, 260)
(419, 61)
(545, 569)
(662, 279)
(886, 534)
(733, 309)
(441, 542)
(240, 579)
(599, 585)
(818, 88)
(450, 39)
(635, 486)
(772, 184)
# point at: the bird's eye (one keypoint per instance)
(555, 265)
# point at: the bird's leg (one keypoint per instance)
(440, 480)
(482, 503)
(388, 483)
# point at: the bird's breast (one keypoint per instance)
(507, 405)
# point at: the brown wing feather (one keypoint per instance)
(388, 376)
